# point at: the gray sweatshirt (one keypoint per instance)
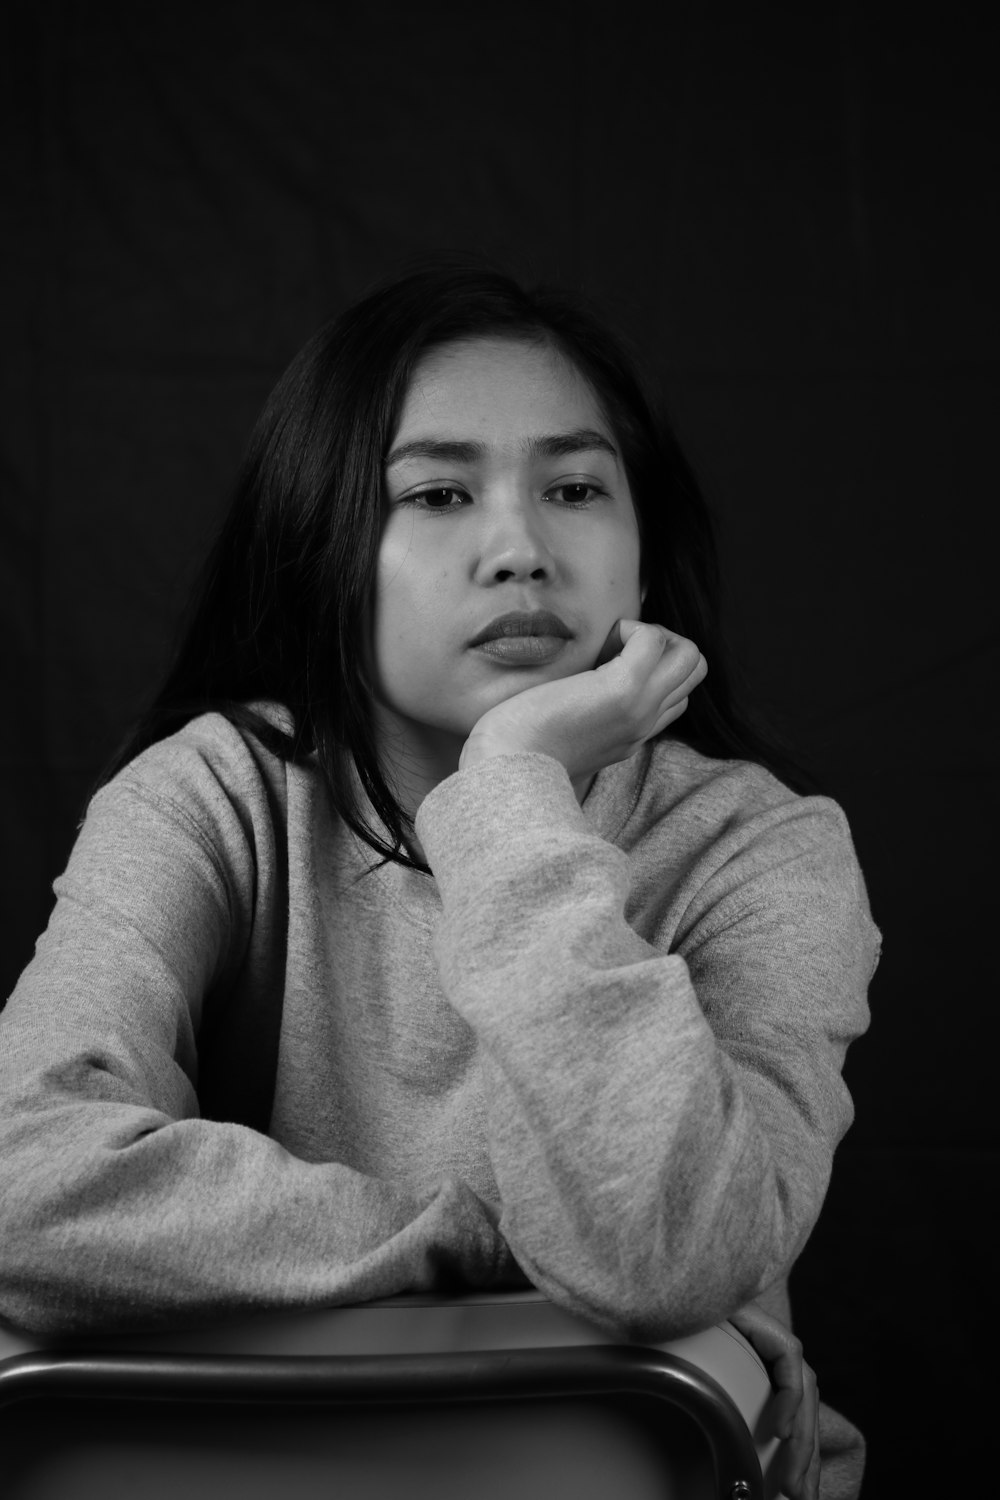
(600, 1048)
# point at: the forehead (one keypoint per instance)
(498, 391)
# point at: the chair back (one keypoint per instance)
(488, 1394)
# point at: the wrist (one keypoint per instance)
(478, 748)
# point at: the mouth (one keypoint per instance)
(520, 625)
(524, 650)
(524, 638)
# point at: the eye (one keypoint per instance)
(578, 494)
(439, 498)
(434, 500)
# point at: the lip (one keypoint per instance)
(520, 623)
(524, 650)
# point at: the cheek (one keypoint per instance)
(623, 579)
(411, 613)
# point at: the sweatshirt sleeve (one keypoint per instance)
(119, 1205)
(662, 1123)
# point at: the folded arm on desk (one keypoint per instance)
(662, 1124)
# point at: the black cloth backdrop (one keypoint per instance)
(793, 211)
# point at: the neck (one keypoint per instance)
(418, 758)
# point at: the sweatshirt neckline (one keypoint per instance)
(607, 807)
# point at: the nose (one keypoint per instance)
(514, 544)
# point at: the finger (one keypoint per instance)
(686, 687)
(612, 645)
(667, 717)
(795, 1410)
(788, 1374)
(772, 1339)
(801, 1459)
(769, 1337)
(811, 1486)
(628, 628)
(664, 666)
(782, 1350)
(643, 644)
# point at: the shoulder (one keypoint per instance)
(737, 823)
(213, 780)
(728, 797)
(211, 745)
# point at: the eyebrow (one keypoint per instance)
(551, 445)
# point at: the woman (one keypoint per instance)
(585, 1020)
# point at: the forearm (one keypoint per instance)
(121, 1207)
(654, 1174)
(115, 1216)
(637, 1183)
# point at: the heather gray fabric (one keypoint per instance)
(602, 1047)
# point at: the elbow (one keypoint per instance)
(42, 1281)
(655, 1277)
(54, 1247)
(643, 1303)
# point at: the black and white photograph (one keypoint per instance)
(500, 750)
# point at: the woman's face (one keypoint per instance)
(505, 491)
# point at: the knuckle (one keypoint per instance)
(692, 656)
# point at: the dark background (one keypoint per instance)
(793, 210)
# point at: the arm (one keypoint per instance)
(661, 1124)
(119, 1205)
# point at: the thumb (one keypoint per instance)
(653, 639)
(627, 629)
(622, 632)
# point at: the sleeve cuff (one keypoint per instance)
(495, 811)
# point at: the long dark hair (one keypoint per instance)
(282, 608)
